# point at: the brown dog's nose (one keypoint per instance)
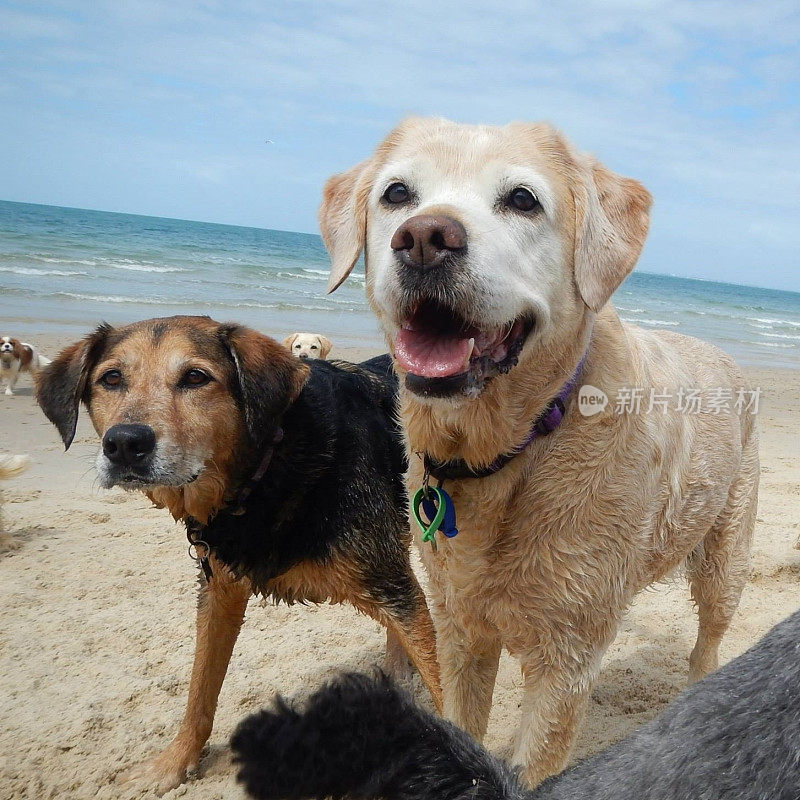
(426, 240)
(129, 445)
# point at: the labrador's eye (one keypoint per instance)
(314, 347)
(111, 379)
(195, 377)
(396, 194)
(297, 347)
(523, 199)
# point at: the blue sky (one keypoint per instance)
(164, 108)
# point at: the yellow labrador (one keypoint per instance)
(491, 255)
(308, 345)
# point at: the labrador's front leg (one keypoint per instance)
(468, 660)
(220, 613)
(552, 709)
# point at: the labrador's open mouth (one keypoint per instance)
(444, 354)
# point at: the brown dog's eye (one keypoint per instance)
(195, 377)
(523, 199)
(397, 193)
(111, 379)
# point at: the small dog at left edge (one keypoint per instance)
(288, 475)
(16, 357)
(10, 467)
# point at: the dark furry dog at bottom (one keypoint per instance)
(733, 736)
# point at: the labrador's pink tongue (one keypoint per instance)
(431, 355)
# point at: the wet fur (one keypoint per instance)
(733, 736)
(326, 523)
(325, 495)
(553, 548)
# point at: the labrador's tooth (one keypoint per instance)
(469, 354)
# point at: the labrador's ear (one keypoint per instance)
(269, 378)
(63, 383)
(289, 341)
(343, 219)
(611, 222)
(325, 346)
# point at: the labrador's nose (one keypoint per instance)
(128, 445)
(425, 241)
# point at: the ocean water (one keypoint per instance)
(64, 270)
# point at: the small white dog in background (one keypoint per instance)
(308, 345)
(16, 357)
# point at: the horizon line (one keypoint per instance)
(317, 235)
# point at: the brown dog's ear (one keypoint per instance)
(343, 219)
(62, 384)
(612, 218)
(269, 378)
(289, 341)
(325, 346)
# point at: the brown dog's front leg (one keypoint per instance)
(415, 634)
(396, 663)
(220, 613)
(409, 630)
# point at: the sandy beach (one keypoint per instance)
(99, 601)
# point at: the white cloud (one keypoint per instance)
(696, 99)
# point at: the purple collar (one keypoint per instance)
(545, 423)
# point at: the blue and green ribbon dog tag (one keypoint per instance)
(440, 511)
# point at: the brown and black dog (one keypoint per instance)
(288, 475)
